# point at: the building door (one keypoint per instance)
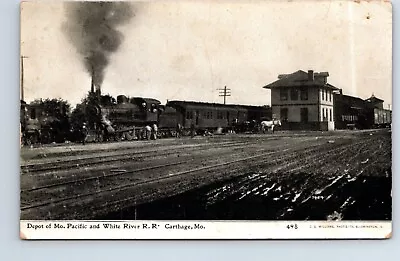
(304, 114)
(284, 114)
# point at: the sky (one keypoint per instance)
(187, 50)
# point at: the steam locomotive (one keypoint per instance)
(124, 119)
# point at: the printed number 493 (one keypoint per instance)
(292, 226)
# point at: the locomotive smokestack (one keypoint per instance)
(98, 90)
(92, 84)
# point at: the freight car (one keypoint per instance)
(382, 118)
(355, 113)
(378, 117)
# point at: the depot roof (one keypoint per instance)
(301, 78)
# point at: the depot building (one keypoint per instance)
(303, 101)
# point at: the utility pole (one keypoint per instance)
(224, 93)
(22, 76)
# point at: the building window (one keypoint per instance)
(330, 114)
(284, 94)
(294, 94)
(304, 114)
(304, 94)
(284, 114)
(326, 115)
(189, 115)
(330, 96)
(323, 94)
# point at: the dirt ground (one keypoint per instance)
(284, 176)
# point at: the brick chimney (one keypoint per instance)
(310, 75)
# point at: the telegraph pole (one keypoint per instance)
(224, 93)
(22, 76)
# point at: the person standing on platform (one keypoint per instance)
(192, 130)
(84, 133)
(155, 131)
(178, 130)
(148, 132)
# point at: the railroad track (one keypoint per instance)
(215, 174)
(33, 181)
(80, 150)
(282, 158)
(56, 165)
(98, 179)
(93, 174)
(127, 182)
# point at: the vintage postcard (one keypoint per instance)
(206, 120)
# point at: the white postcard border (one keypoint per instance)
(204, 229)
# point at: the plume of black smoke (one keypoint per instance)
(92, 28)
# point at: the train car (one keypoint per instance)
(207, 116)
(388, 118)
(168, 120)
(350, 112)
(356, 113)
(382, 118)
(378, 116)
(213, 116)
(258, 113)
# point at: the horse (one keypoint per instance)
(265, 125)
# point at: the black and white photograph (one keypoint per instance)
(205, 119)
